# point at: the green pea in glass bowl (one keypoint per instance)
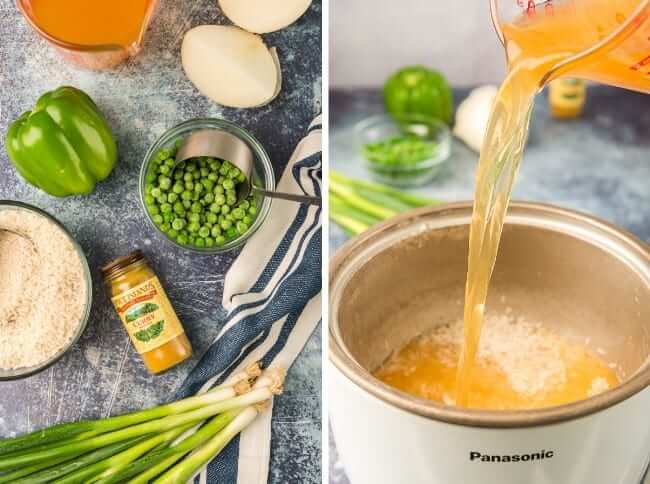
(25, 371)
(404, 153)
(194, 206)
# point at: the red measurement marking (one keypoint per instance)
(642, 63)
(520, 3)
(530, 10)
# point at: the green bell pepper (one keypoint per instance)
(63, 146)
(418, 91)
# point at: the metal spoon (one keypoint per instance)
(225, 146)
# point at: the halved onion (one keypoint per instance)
(263, 16)
(231, 66)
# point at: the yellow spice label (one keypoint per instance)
(148, 315)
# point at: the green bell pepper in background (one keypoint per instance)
(418, 91)
(63, 146)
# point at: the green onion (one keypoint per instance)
(82, 431)
(356, 205)
(159, 425)
(183, 447)
(53, 471)
(184, 470)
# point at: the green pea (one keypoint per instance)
(244, 204)
(204, 231)
(198, 187)
(241, 228)
(220, 199)
(209, 242)
(252, 210)
(173, 233)
(187, 204)
(178, 224)
(157, 219)
(182, 239)
(172, 197)
(168, 217)
(194, 217)
(178, 208)
(211, 217)
(224, 168)
(228, 184)
(165, 184)
(204, 171)
(215, 207)
(207, 184)
(178, 174)
(178, 188)
(225, 224)
(231, 233)
(193, 227)
(154, 210)
(208, 198)
(166, 208)
(199, 242)
(164, 169)
(234, 173)
(218, 190)
(156, 192)
(215, 231)
(186, 195)
(247, 220)
(238, 213)
(196, 208)
(225, 209)
(213, 177)
(151, 177)
(148, 188)
(241, 178)
(219, 240)
(149, 199)
(169, 162)
(189, 185)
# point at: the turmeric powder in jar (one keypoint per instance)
(148, 316)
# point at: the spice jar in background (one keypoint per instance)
(147, 314)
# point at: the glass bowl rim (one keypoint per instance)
(24, 372)
(184, 128)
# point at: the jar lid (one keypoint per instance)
(121, 262)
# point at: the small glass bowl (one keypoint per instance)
(262, 176)
(16, 373)
(382, 127)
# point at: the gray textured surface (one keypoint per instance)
(598, 164)
(103, 375)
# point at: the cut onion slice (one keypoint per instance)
(263, 16)
(231, 66)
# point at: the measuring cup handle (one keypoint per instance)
(291, 197)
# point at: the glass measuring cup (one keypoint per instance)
(607, 41)
(96, 57)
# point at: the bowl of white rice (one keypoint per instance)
(45, 290)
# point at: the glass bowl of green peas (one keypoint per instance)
(194, 206)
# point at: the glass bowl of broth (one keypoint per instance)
(93, 35)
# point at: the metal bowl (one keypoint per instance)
(14, 374)
(263, 176)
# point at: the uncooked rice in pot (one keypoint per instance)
(42, 289)
(527, 353)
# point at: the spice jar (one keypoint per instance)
(147, 314)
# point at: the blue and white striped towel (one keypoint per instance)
(272, 294)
